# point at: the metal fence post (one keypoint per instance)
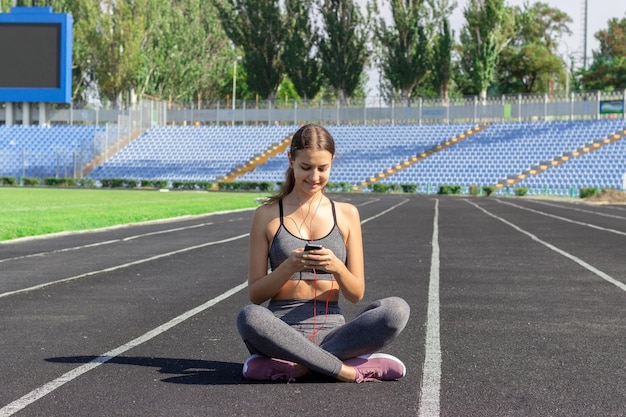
(475, 109)
(420, 104)
(365, 112)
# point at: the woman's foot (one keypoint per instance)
(262, 368)
(377, 367)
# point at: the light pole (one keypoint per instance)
(235, 86)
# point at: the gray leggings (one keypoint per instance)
(283, 330)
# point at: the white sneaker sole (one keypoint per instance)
(245, 364)
(385, 356)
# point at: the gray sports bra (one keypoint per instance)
(284, 243)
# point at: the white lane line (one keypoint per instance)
(382, 213)
(162, 232)
(569, 206)
(46, 389)
(374, 200)
(107, 242)
(431, 374)
(52, 252)
(579, 261)
(126, 265)
(565, 219)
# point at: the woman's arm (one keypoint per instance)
(261, 285)
(349, 276)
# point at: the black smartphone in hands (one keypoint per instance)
(312, 246)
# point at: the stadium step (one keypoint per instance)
(111, 150)
(256, 160)
(423, 155)
(567, 156)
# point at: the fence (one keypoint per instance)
(374, 110)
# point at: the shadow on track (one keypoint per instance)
(188, 371)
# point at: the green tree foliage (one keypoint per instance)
(257, 27)
(404, 48)
(187, 55)
(608, 70)
(7, 4)
(302, 65)
(117, 46)
(488, 29)
(343, 46)
(442, 59)
(530, 63)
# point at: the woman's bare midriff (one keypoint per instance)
(308, 290)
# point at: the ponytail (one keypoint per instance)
(285, 188)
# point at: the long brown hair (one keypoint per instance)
(311, 136)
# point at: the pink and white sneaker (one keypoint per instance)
(262, 368)
(377, 367)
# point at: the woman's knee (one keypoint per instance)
(398, 312)
(250, 317)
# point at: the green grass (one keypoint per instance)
(38, 211)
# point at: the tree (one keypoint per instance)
(107, 49)
(120, 47)
(85, 15)
(488, 29)
(608, 70)
(530, 69)
(530, 62)
(404, 48)
(302, 66)
(442, 59)
(343, 45)
(187, 55)
(257, 27)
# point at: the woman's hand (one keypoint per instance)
(323, 259)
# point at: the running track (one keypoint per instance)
(518, 309)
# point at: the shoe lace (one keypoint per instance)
(367, 374)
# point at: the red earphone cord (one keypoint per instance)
(315, 329)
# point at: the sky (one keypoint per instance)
(598, 14)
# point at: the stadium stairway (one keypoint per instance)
(567, 156)
(423, 155)
(110, 150)
(256, 160)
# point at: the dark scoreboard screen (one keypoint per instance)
(30, 55)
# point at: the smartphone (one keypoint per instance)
(311, 246)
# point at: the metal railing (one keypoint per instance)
(373, 110)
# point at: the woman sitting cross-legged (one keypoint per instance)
(303, 330)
